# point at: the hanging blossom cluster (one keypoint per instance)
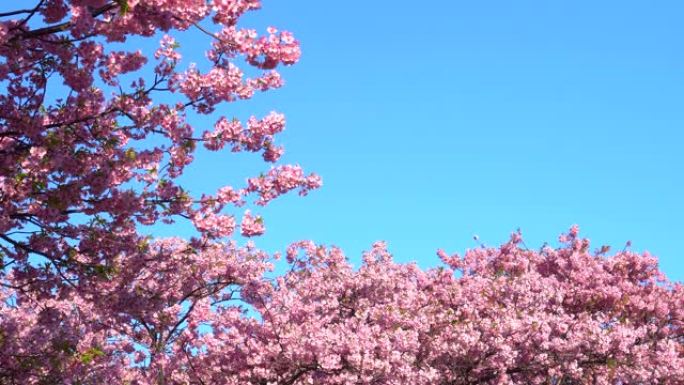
(94, 135)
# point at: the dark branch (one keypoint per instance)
(63, 26)
(18, 12)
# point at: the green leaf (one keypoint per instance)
(123, 6)
(189, 145)
(54, 202)
(38, 185)
(71, 253)
(144, 246)
(131, 154)
(111, 142)
(89, 355)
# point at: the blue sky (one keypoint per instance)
(434, 121)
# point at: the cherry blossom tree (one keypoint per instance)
(94, 136)
(505, 315)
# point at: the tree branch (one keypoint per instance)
(63, 26)
(13, 13)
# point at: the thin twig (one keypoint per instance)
(62, 26)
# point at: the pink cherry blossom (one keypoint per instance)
(95, 134)
(250, 225)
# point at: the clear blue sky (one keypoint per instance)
(433, 121)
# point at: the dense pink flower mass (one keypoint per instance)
(94, 135)
(506, 315)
